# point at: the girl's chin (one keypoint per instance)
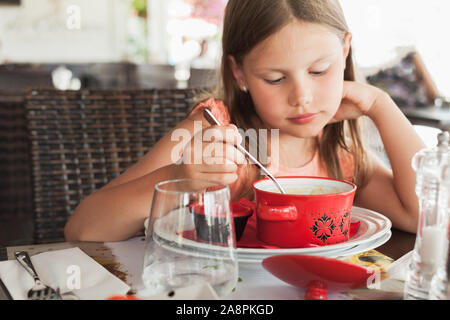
(308, 131)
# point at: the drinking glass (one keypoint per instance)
(190, 238)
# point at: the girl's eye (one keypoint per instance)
(276, 81)
(318, 73)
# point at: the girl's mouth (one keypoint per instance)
(304, 118)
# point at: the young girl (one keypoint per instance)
(286, 65)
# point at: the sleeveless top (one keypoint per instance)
(314, 167)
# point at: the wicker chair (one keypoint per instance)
(80, 140)
(15, 172)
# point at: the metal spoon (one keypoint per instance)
(212, 120)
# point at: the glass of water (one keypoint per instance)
(190, 238)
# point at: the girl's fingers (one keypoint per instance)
(213, 155)
(225, 151)
(228, 134)
(225, 178)
(220, 150)
(217, 165)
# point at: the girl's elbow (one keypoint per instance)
(411, 221)
(70, 233)
(73, 233)
(75, 229)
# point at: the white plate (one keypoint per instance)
(373, 226)
(347, 252)
(364, 247)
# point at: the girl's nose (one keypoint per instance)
(300, 97)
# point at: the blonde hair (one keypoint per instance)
(246, 24)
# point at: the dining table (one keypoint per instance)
(124, 259)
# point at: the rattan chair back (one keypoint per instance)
(80, 140)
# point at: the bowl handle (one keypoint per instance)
(247, 203)
(276, 213)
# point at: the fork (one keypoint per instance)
(39, 291)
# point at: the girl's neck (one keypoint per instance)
(296, 152)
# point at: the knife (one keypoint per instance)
(4, 293)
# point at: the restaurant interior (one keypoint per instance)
(62, 60)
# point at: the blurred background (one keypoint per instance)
(148, 43)
(400, 46)
(111, 43)
(176, 43)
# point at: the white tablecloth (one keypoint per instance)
(257, 283)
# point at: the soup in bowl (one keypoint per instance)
(313, 212)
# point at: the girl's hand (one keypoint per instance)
(211, 154)
(357, 99)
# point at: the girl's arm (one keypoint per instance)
(391, 193)
(117, 211)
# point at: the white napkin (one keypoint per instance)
(68, 270)
(397, 270)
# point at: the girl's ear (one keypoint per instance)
(237, 72)
(347, 44)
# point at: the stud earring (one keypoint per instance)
(244, 88)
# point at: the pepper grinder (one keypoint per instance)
(430, 166)
(440, 284)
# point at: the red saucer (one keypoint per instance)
(317, 274)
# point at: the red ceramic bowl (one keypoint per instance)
(215, 230)
(317, 274)
(303, 219)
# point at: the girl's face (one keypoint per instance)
(295, 77)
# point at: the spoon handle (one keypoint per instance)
(212, 120)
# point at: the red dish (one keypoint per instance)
(295, 220)
(214, 229)
(317, 274)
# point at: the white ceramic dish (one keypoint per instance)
(374, 228)
(347, 252)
